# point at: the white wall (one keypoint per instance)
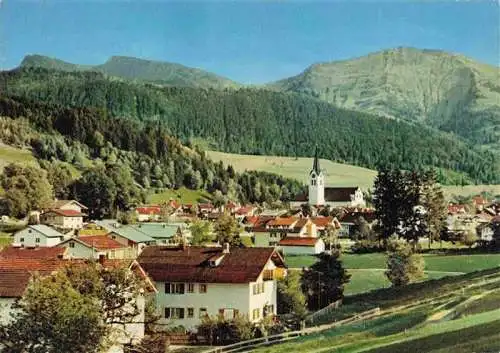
(5, 309)
(304, 250)
(29, 236)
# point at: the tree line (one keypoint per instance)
(257, 121)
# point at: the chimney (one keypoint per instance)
(226, 248)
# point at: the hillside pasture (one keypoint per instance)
(182, 195)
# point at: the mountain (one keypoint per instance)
(259, 121)
(162, 73)
(446, 91)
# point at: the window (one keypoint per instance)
(258, 288)
(190, 313)
(203, 288)
(21, 240)
(29, 230)
(174, 313)
(71, 244)
(37, 240)
(255, 314)
(190, 288)
(203, 312)
(174, 288)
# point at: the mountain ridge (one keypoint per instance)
(138, 69)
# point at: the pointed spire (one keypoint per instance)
(316, 167)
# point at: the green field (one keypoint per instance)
(298, 168)
(182, 195)
(455, 314)
(10, 154)
(337, 174)
(367, 270)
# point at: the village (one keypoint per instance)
(192, 270)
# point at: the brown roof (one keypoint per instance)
(298, 241)
(240, 265)
(61, 203)
(339, 194)
(32, 253)
(101, 242)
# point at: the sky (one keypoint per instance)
(247, 41)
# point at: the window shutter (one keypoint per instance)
(181, 313)
(236, 313)
(167, 287)
(221, 312)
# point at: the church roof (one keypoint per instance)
(316, 168)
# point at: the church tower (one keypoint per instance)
(316, 183)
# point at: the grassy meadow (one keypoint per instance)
(182, 195)
(454, 314)
(367, 270)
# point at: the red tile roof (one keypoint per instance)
(66, 213)
(322, 221)
(149, 210)
(282, 221)
(101, 242)
(15, 273)
(240, 265)
(32, 253)
(298, 241)
(244, 210)
(453, 209)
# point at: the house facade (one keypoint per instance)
(194, 282)
(93, 247)
(64, 214)
(38, 235)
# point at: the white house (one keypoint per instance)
(302, 246)
(65, 214)
(148, 213)
(38, 235)
(320, 195)
(193, 282)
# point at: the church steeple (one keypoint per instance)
(316, 169)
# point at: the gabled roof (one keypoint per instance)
(65, 213)
(157, 230)
(126, 231)
(61, 203)
(190, 264)
(298, 241)
(45, 230)
(15, 273)
(322, 222)
(148, 210)
(100, 242)
(32, 253)
(453, 209)
(244, 210)
(282, 221)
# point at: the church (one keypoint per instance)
(320, 195)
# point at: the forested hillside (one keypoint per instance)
(447, 91)
(141, 70)
(121, 160)
(258, 121)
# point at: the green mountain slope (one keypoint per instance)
(256, 121)
(162, 73)
(446, 91)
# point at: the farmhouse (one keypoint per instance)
(319, 195)
(148, 213)
(64, 214)
(38, 235)
(193, 282)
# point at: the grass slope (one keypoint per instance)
(410, 320)
(182, 195)
(298, 168)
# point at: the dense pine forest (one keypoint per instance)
(247, 120)
(127, 157)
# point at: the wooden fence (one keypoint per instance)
(288, 336)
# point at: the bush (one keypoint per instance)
(366, 246)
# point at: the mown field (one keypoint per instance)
(298, 168)
(337, 174)
(367, 270)
(455, 314)
(182, 195)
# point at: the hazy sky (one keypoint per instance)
(247, 41)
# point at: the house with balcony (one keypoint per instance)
(193, 282)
